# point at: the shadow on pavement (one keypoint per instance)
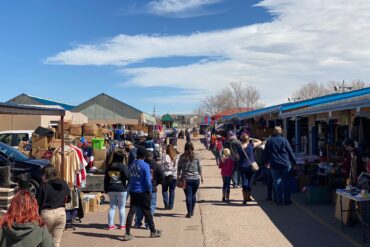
(99, 235)
(300, 228)
(89, 226)
(210, 187)
(169, 215)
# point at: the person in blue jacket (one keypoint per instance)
(140, 189)
(280, 156)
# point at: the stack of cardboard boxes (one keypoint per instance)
(90, 131)
(40, 145)
(6, 196)
(91, 202)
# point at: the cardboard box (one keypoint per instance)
(93, 205)
(100, 154)
(90, 129)
(102, 131)
(40, 142)
(346, 205)
(75, 129)
(38, 154)
(56, 143)
(94, 201)
(85, 206)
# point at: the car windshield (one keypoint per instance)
(6, 138)
(12, 152)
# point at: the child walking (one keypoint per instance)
(227, 166)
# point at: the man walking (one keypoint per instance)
(140, 185)
(279, 154)
(157, 176)
(236, 150)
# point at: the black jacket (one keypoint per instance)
(53, 194)
(279, 153)
(116, 177)
(157, 174)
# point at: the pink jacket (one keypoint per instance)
(227, 167)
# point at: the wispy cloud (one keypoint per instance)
(307, 40)
(165, 7)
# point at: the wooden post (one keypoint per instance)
(62, 145)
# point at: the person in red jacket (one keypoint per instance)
(227, 167)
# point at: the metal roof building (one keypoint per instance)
(106, 109)
(284, 109)
(25, 99)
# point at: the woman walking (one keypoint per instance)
(52, 197)
(22, 225)
(245, 168)
(190, 171)
(115, 185)
(170, 162)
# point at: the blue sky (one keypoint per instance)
(173, 53)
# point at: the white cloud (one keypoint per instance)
(164, 7)
(307, 40)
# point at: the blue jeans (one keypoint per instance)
(236, 175)
(169, 185)
(117, 199)
(226, 184)
(140, 214)
(247, 178)
(192, 186)
(269, 182)
(281, 185)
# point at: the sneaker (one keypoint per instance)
(127, 237)
(188, 216)
(109, 228)
(122, 227)
(156, 234)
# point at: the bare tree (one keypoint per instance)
(251, 96)
(236, 95)
(343, 86)
(314, 89)
(311, 90)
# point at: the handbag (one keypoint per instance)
(254, 165)
(181, 182)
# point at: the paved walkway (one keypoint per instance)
(217, 224)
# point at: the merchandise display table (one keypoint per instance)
(95, 183)
(361, 209)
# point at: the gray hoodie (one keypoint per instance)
(25, 235)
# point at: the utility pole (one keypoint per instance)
(343, 88)
(154, 111)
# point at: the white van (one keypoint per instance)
(13, 137)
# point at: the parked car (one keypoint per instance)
(22, 165)
(14, 137)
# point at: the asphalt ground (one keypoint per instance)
(215, 223)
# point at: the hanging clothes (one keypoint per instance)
(81, 176)
(71, 164)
